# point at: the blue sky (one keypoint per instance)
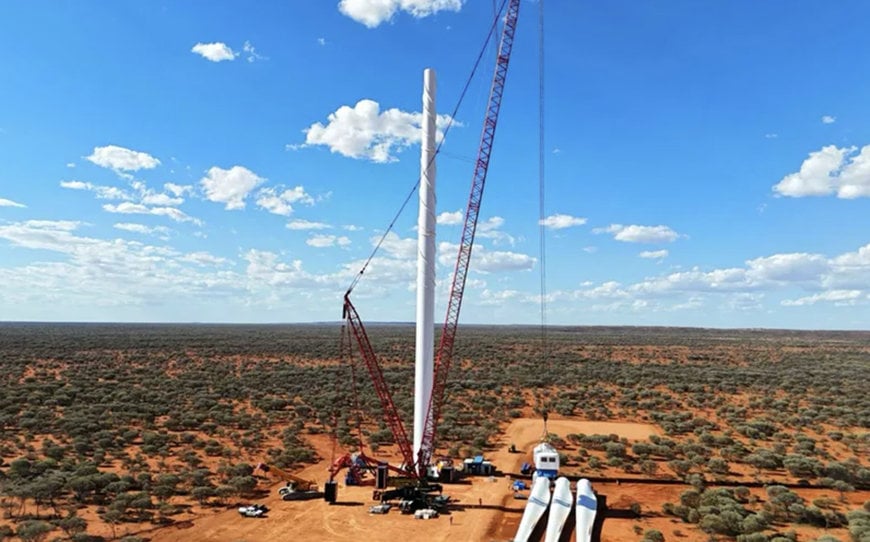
(707, 165)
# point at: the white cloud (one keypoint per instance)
(178, 190)
(321, 41)
(771, 136)
(251, 52)
(793, 267)
(142, 278)
(152, 198)
(842, 280)
(640, 234)
(128, 208)
(654, 254)
(828, 119)
(352, 227)
(9, 203)
(323, 241)
(306, 225)
(161, 231)
(398, 247)
(484, 260)
(855, 176)
(71, 165)
(363, 131)
(560, 221)
(215, 52)
(230, 186)
(839, 297)
(280, 203)
(41, 234)
(203, 258)
(500, 297)
(374, 12)
(121, 159)
(490, 224)
(491, 229)
(850, 270)
(135, 273)
(844, 171)
(102, 192)
(266, 270)
(450, 219)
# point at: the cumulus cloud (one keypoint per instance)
(323, 241)
(230, 186)
(828, 119)
(484, 260)
(654, 254)
(129, 208)
(560, 221)
(121, 159)
(306, 225)
(640, 234)
(831, 170)
(450, 219)
(397, 247)
(365, 132)
(279, 203)
(793, 267)
(9, 203)
(216, 52)
(372, 13)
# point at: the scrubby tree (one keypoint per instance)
(72, 524)
(34, 531)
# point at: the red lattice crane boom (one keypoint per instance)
(444, 355)
(417, 468)
(391, 413)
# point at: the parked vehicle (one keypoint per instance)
(253, 510)
(426, 513)
(380, 508)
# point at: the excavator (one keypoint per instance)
(296, 488)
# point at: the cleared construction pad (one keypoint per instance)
(485, 510)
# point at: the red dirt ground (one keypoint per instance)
(486, 511)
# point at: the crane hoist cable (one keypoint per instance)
(450, 122)
(542, 210)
